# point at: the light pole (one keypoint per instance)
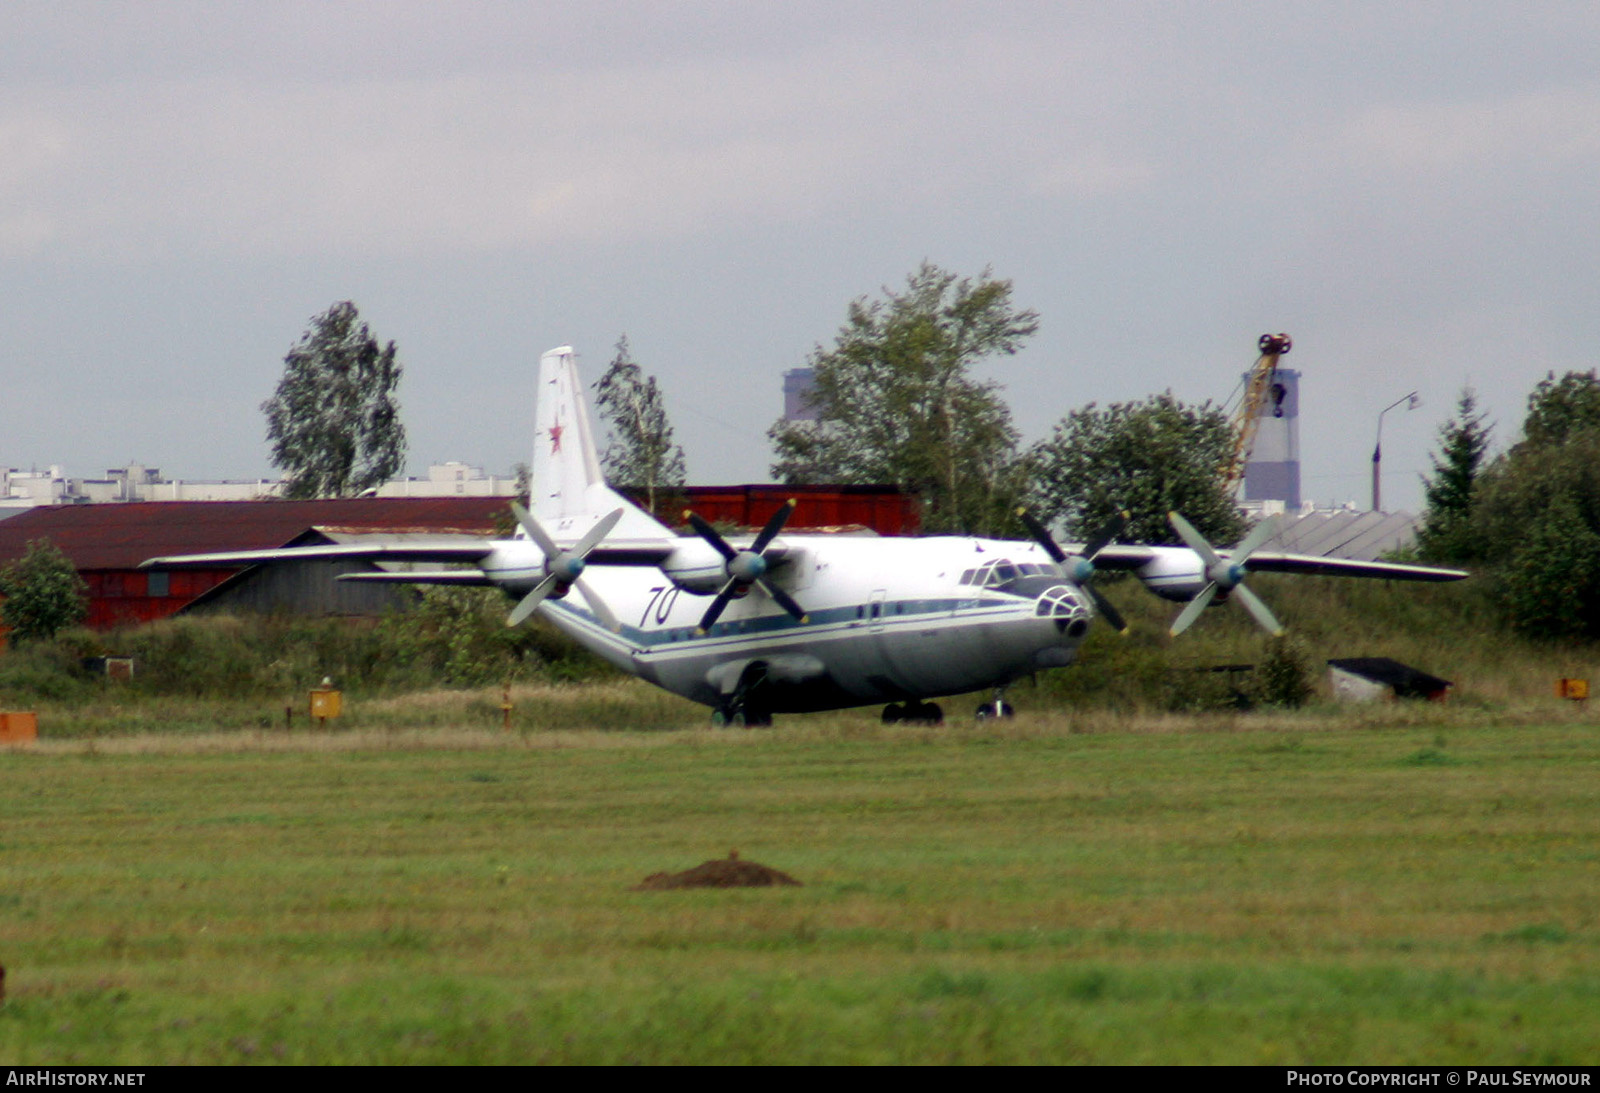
(1413, 400)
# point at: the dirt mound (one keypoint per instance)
(727, 872)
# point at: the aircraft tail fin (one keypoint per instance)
(569, 493)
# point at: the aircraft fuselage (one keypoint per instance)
(887, 619)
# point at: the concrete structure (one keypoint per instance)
(797, 384)
(1376, 679)
(23, 490)
(452, 480)
(1273, 472)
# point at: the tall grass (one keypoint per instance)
(1185, 889)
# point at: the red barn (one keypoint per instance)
(107, 542)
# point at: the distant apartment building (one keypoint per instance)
(23, 490)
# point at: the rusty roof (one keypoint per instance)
(121, 535)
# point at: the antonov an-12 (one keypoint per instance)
(797, 623)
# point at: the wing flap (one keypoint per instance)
(1264, 562)
(395, 552)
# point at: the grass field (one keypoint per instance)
(1409, 885)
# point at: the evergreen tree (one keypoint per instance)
(1446, 534)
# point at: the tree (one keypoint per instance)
(333, 422)
(640, 454)
(1148, 458)
(895, 401)
(1558, 408)
(1535, 513)
(1446, 533)
(43, 593)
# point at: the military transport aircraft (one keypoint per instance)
(797, 623)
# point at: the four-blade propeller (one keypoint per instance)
(1224, 576)
(563, 568)
(746, 567)
(1080, 568)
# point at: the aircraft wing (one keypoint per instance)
(392, 552)
(1266, 562)
(1119, 555)
(639, 552)
(1136, 556)
(469, 577)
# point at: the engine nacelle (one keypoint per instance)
(695, 567)
(1175, 573)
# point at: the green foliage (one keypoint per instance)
(1552, 581)
(459, 636)
(1536, 513)
(1446, 534)
(1560, 408)
(42, 593)
(333, 421)
(1284, 676)
(896, 402)
(454, 637)
(1149, 458)
(640, 455)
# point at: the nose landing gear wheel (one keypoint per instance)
(999, 708)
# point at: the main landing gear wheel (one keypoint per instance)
(740, 717)
(913, 713)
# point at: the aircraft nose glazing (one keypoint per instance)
(1066, 607)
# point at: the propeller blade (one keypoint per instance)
(714, 612)
(1042, 536)
(535, 531)
(1252, 542)
(785, 601)
(1107, 612)
(1102, 538)
(530, 602)
(1193, 539)
(1252, 603)
(601, 529)
(774, 525)
(1193, 609)
(709, 534)
(598, 606)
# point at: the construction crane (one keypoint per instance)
(1261, 389)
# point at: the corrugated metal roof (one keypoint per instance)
(120, 536)
(1361, 536)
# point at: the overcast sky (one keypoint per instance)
(1408, 189)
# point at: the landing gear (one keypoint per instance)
(742, 715)
(999, 708)
(913, 713)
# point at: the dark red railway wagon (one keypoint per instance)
(884, 509)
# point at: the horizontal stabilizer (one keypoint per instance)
(352, 552)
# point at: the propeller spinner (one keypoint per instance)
(1225, 577)
(746, 567)
(563, 568)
